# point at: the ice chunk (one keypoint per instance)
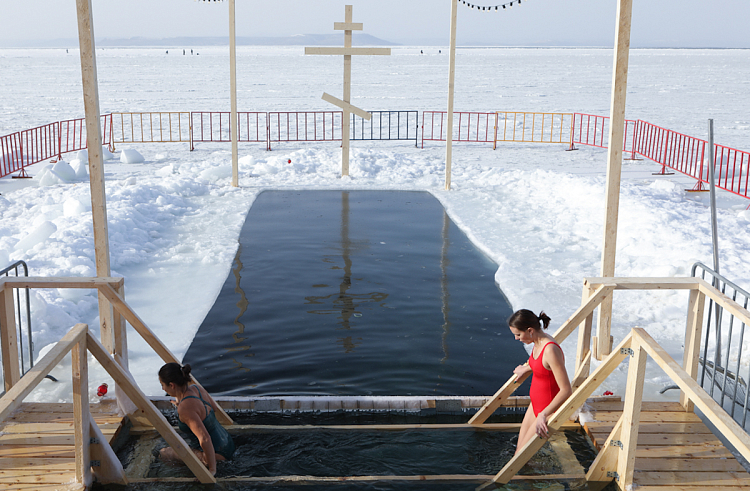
(131, 156)
(80, 169)
(47, 177)
(216, 173)
(64, 170)
(83, 155)
(106, 154)
(72, 208)
(37, 236)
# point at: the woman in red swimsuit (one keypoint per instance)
(549, 382)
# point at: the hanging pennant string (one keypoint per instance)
(502, 6)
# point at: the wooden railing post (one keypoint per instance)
(631, 415)
(583, 352)
(693, 334)
(82, 416)
(120, 342)
(9, 339)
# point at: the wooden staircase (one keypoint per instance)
(675, 449)
(37, 445)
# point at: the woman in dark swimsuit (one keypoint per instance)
(550, 385)
(196, 412)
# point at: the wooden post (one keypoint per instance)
(583, 351)
(9, 341)
(233, 89)
(614, 165)
(120, 337)
(693, 333)
(631, 416)
(82, 416)
(451, 90)
(347, 95)
(96, 166)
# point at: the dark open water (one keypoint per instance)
(355, 293)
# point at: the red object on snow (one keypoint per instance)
(289, 161)
(102, 390)
(608, 393)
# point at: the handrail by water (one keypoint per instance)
(16, 386)
(6, 272)
(719, 361)
(636, 344)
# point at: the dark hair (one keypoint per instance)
(174, 373)
(525, 319)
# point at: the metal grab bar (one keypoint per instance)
(14, 267)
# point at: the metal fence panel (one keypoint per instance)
(723, 350)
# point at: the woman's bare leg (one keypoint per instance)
(527, 428)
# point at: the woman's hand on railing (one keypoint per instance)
(522, 370)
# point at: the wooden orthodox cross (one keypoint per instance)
(347, 26)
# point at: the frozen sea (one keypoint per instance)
(536, 210)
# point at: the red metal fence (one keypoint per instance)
(213, 127)
(304, 126)
(35, 145)
(592, 130)
(683, 153)
(468, 127)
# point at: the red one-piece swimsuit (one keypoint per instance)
(543, 384)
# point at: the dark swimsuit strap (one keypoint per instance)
(201, 399)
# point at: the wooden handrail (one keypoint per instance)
(58, 282)
(78, 341)
(14, 397)
(108, 287)
(152, 340)
(728, 427)
(563, 413)
(560, 335)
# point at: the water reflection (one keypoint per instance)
(242, 304)
(345, 303)
(444, 294)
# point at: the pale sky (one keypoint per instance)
(656, 23)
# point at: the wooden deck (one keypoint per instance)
(675, 451)
(37, 448)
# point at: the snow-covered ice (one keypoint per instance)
(536, 210)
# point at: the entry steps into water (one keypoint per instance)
(37, 445)
(676, 450)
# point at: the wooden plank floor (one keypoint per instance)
(37, 445)
(676, 451)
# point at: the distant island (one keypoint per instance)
(358, 39)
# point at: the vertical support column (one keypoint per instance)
(82, 416)
(96, 166)
(9, 341)
(631, 415)
(614, 165)
(583, 352)
(693, 333)
(451, 90)
(120, 332)
(345, 118)
(233, 89)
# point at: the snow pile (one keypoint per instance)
(130, 156)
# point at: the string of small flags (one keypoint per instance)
(502, 6)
